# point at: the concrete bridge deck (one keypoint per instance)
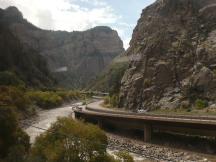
(201, 126)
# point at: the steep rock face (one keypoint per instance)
(27, 63)
(173, 56)
(74, 57)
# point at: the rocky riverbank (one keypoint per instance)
(154, 152)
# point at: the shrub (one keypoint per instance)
(147, 83)
(45, 99)
(111, 101)
(201, 104)
(193, 92)
(11, 136)
(124, 156)
(69, 140)
(10, 79)
(114, 100)
(14, 97)
(116, 72)
(107, 100)
(69, 95)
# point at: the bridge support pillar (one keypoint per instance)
(99, 123)
(147, 132)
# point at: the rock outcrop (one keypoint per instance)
(173, 56)
(74, 57)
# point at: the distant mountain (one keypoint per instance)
(174, 51)
(74, 58)
(26, 63)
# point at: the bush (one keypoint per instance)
(69, 95)
(147, 83)
(69, 140)
(107, 100)
(114, 100)
(111, 101)
(10, 79)
(45, 99)
(51, 99)
(201, 104)
(11, 136)
(124, 156)
(16, 98)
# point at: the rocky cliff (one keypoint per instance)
(74, 57)
(173, 56)
(26, 63)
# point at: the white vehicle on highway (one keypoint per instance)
(141, 111)
(77, 106)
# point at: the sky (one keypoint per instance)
(79, 15)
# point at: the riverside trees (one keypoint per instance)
(71, 141)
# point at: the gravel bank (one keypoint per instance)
(154, 152)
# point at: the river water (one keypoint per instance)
(44, 120)
(46, 117)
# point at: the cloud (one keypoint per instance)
(45, 19)
(71, 15)
(95, 2)
(125, 32)
(64, 14)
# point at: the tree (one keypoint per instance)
(11, 135)
(71, 141)
(14, 97)
(46, 99)
(10, 79)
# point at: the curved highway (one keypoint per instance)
(97, 108)
(195, 125)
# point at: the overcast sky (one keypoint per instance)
(70, 15)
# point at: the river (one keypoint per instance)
(44, 120)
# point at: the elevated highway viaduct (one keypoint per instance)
(188, 125)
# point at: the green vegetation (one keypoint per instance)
(26, 63)
(45, 99)
(66, 140)
(69, 140)
(111, 101)
(52, 99)
(114, 100)
(16, 99)
(107, 100)
(14, 143)
(70, 95)
(24, 101)
(124, 156)
(110, 81)
(10, 79)
(201, 104)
